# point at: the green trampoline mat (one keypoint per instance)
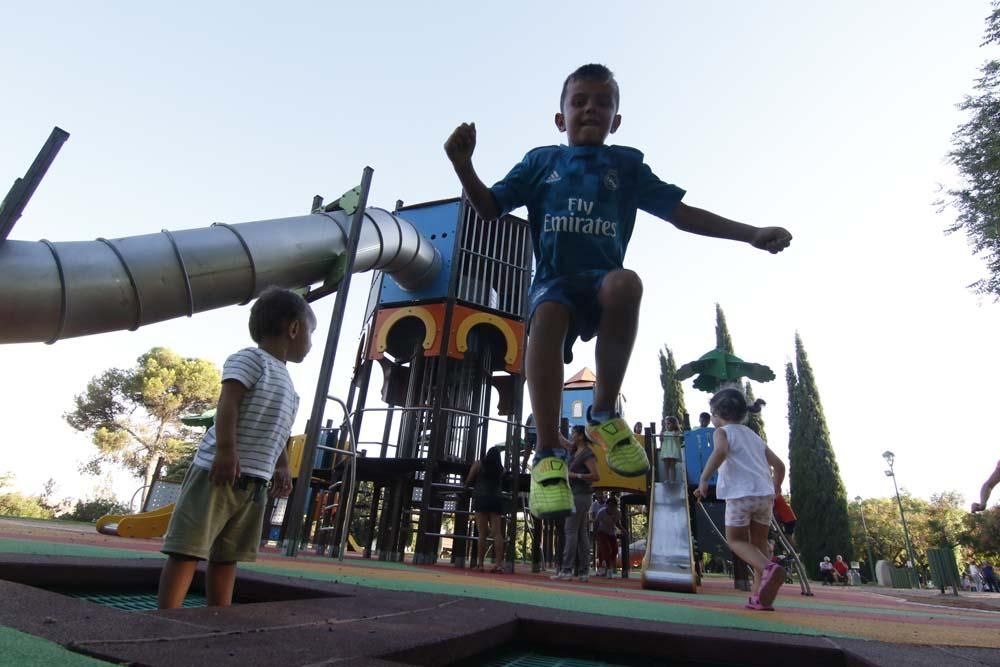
(132, 601)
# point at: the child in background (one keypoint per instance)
(744, 463)
(606, 527)
(582, 201)
(220, 511)
(670, 450)
(786, 518)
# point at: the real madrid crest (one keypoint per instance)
(611, 179)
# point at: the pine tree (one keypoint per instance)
(755, 421)
(673, 392)
(818, 495)
(975, 152)
(722, 339)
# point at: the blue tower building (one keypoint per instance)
(450, 357)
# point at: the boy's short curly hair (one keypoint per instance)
(274, 310)
(591, 72)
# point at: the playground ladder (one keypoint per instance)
(459, 490)
(346, 485)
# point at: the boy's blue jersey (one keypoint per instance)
(581, 204)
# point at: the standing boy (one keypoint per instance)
(220, 512)
(582, 200)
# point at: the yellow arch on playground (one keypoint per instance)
(421, 313)
(462, 335)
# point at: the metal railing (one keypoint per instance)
(458, 489)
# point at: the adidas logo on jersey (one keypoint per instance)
(553, 177)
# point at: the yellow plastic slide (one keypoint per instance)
(145, 524)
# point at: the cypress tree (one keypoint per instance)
(755, 421)
(793, 383)
(818, 495)
(722, 339)
(673, 392)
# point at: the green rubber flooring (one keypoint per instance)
(20, 649)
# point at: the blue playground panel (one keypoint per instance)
(438, 223)
(698, 445)
(575, 403)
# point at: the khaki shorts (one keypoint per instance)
(220, 523)
(741, 511)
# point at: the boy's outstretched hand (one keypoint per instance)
(771, 239)
(461, 144)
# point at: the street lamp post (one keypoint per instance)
(868, 544)
(890, 458)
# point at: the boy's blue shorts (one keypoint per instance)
(577, 292)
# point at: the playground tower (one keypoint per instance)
(450, 356)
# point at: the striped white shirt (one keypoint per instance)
(266, 413)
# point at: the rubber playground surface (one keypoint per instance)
(854, 613)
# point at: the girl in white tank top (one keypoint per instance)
(744, 462)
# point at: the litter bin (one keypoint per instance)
(904, 577)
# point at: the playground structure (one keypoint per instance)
(140, 525)
(444, 323)
(446, 353)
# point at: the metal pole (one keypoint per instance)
(902, 515)
(868, 545)
(20, 193)
(296, 504)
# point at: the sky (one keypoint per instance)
(833, 121)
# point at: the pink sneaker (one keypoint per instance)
(753, 602)
(772, 579)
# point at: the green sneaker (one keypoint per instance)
(551, 497)
(626, 455)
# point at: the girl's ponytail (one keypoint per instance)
(731, 405)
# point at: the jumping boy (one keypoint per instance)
(220, 512)
(582, 200)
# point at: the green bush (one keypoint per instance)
(91, 510)
(18, 504)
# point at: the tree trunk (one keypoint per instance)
(152, 474)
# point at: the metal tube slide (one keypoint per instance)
(50, 291)
(669, 562)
